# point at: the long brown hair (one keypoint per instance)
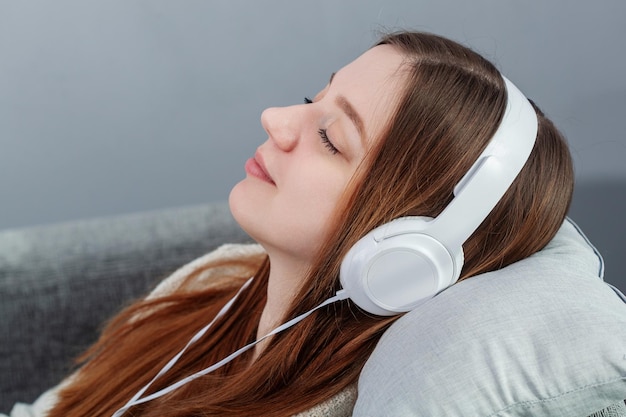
(451, 105)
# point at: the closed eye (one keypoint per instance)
(326, 141)
(323, 134)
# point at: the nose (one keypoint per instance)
(281, 124)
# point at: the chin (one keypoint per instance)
(235, 204)
(243, 209)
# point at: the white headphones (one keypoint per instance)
(398, 265)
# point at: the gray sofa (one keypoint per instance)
(59, 283)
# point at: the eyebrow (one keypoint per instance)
(347, 108)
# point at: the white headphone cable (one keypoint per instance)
(136, 399)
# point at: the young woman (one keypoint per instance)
(391, 135)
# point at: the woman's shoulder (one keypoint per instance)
(230, 259)
(340, 405)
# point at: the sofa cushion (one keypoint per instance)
(543, 337)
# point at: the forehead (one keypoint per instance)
(372, 83)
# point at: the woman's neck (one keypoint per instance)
(284, 282)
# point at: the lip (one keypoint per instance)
(256, 167)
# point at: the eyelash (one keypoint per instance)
(327, 142)
(323, 134)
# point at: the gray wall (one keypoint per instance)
(110, 107)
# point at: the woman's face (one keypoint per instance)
(297, 177)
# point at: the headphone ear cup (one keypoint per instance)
(397, 266)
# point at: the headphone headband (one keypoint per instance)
(489, 178)
(397, 265)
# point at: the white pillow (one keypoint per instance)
(542, 337)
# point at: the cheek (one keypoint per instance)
(317, 200)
